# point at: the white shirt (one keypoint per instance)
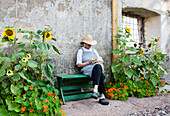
(80, 51)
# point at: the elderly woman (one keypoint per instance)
(91, 64)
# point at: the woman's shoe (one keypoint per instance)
(103, 101)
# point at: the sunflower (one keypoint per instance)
(142, 51)
(127, 30)
(9, 73)
(24, 59)
(28, 56)
(47, 35)
(9, 32)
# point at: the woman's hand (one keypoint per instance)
(90, 61)
(97, 60)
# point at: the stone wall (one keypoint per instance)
(70, 20)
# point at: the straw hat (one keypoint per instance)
(89, 40)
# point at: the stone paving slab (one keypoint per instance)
(91, 107)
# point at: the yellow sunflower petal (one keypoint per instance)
(9, 32)
(47, 35)
(9, 73)
(24, 59)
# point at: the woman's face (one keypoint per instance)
(87, 46)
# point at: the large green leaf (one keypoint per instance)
(7, 59)
(132, 49)
(22, 46)
(32, 63)
(2, 73)
(17, 67)
(38, 105)
(3, 111)
(4, 39)
(128, 72)
(127, 59)
(48, 71)
(44, 47)
(116, 51)
(14, 106)
(23, 76)
(26, 37)
(55, 49)
(16, 77)
(37, 36)
(154, 80)
(134, 72)
(5, 66)
(14, 89)
(136, 61)
(116, 68)
(118, 36)
(18, 99)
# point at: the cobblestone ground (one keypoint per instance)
(163, 110)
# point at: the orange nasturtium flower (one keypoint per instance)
(30, 103)
(137, 90)
(45, 108)
(31, 111)
(64, 114)
(126, 87)
(131, 89)
(127, 30)
(147, 95)
(120, 95)
(61, 102)
(49, 94)
(121, 84)
(31, 88)
(146, 90)
(54, 100)
(142, 78)
(23, 109)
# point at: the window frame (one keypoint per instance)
(142, 39)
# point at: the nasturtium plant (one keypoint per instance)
(137, 71)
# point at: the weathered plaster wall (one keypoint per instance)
(70, 20)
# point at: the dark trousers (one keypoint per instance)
(98, 78)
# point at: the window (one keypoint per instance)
(136, 25)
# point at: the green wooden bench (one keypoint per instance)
(71, 83)
(74, 86)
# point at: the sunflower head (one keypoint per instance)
(142, 51)
(9, 72)
(28, 56)
(47, 35)
(127, 30)
(24, 59)
(9, 32)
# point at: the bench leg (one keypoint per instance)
(60, 90)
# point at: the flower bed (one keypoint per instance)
(138, 74)
(26, 79)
